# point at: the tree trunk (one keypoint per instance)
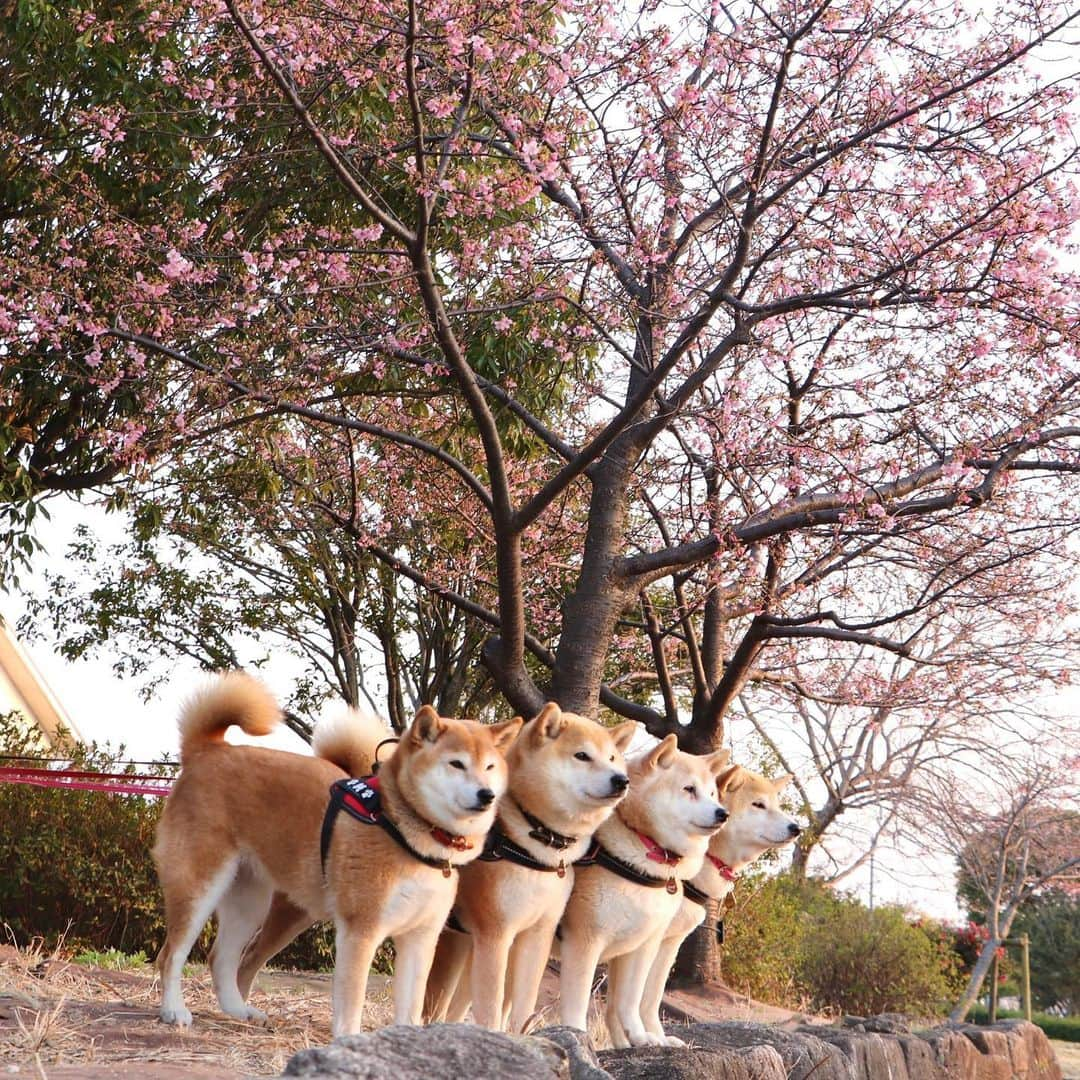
(699, 959)
(978, 973)
(592, 609)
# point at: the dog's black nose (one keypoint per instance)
(721, 815)
(794, 829)
(485, 796)
(620, 782)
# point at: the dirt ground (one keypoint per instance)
(60, 1021)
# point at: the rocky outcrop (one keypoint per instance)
(878, 1048)
(441, 1050)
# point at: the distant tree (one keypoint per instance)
(1052, 922)
(1014, 830)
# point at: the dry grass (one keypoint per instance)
(55, 1012)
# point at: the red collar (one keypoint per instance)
(655, 852)
(722, 868)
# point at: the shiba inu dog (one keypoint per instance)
(244, 824)
(755, 824)
(567, 774)
(622, 904)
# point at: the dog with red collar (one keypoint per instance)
(629, 889)
(756, 823)
(256, 836)
(566, 777)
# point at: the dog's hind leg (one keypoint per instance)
(491, 955)
(413, 954)
(577, 966)
(627, 975)
(186, 912)
(449, 975)
(283, 922)
(354, 951)
(528, 958)
(655, 985)
(240, 913)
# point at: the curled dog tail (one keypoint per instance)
(235, 698)
(350, 738)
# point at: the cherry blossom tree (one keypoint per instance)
(987, 670)
(722, 328)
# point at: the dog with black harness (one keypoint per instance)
(258, 836)
(566, 776)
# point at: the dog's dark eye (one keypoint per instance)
(490, 767)
(612, 758)
(760, 805)
(690, 789)
(582, 756)
(455, 764)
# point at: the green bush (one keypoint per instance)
(1066, 1028)
(863, 961)
(763, 936)
(801, 945)
(76, 865)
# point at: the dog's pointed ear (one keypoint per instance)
(549, 723)
(622, 735)
(717, 760)
(504, 734)
(662, 754)
(781, 782)
(729, 779)
(427, 725)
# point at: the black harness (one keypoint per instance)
(600, 856)
(360, 798)
(692, 892)
(499, 846)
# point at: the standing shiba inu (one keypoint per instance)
(622, 904)
(566, 775)
(755, 823)
(243, 821)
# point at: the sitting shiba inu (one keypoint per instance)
(623, 903)
(244, 824)
(755, 823)
(566, 776)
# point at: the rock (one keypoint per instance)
(869, 1054)
(1010, 1050)
(803, 1054)
(690, 1063)
(579, 1050)
(888, 1024)
(441, 1050)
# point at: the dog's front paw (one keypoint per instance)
(673, 1040)
(249, 1012)
(647, 1038)
(178, 1016)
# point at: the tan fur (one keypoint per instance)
(613, 919)
(351, 739)
(511, 911)
(242, 826)
(236, 698)
(749, 832)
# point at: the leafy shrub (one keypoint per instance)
(863, 961)
(1066, 1028)
(763, 936)
(76, 865)
(799, 944)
